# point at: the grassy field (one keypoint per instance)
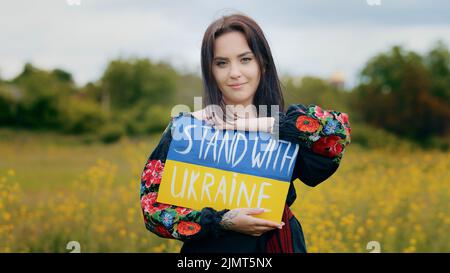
(55, 189)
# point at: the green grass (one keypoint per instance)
(397, 197)
(48, 161)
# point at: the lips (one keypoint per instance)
(236, 86)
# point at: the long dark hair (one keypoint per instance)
(269, 89)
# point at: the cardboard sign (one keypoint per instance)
(226, 169)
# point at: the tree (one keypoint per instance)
(128, 83)
(405, 93)
(313, 90)
(42, 94)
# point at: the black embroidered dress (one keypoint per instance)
(322, 136)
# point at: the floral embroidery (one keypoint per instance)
(162, 231)
(322, 114)
(157, 166)
(153, 173)
(307, 124)
(167, 218)
(326, 132)
(331, 127)
(188, 228)
(343, 119)
(149, 204)
(183, 211)
(328, 146)
(162, 219)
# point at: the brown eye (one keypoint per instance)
(220, 64)
(246, 60)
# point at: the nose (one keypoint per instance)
(235, 71)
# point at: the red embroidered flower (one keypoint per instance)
(188, 228)
(328, 146)
(343, 118)
(183, 211)
(147, 202)
(150, 178)
(161, 206)
(307, 124)
(156, 165)
(161, 230)
(153, 173)
(320, 113)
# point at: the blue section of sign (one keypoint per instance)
(253, 153)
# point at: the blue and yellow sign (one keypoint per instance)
(222, 169)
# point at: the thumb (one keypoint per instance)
(254, 211)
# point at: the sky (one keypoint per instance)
(314, 37)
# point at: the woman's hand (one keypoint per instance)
(241, 220)
(263, 124)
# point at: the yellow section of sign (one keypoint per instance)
(196, 187)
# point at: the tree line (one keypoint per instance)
(399, 91)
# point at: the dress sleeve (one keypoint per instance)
(322, 135)
(170, 221)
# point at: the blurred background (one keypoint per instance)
(87, 87)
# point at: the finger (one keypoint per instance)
(267, 223)
(254, 211)
(266, 229)
(262, 229)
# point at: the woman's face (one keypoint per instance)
(235, 69)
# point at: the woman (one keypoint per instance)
(239, 74)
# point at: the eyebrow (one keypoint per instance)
(240, 55)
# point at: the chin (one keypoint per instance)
(237, 97)
(240, 99)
